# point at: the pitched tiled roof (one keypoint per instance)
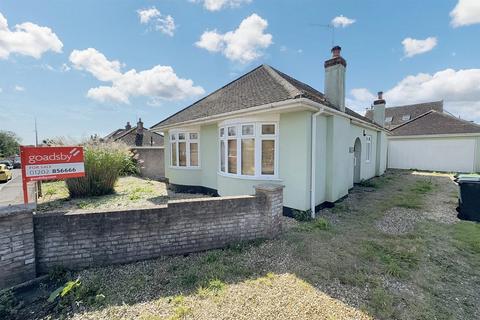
(412, 110)
(115, 134)
(260, 86)
(434, 122)
(146, 139)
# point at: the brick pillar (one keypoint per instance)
(17, 247)
(272, 194)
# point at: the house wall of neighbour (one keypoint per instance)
(451, 154)
(150, 162)
(477, 154)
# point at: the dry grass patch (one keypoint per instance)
(132, 192)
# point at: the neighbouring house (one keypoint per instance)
(146, 145)
(425, 137)
(269, 127)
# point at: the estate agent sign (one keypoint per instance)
(50, 163)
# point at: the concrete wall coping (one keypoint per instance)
(16, 209)
(269, 187)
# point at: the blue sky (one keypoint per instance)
(85, 67)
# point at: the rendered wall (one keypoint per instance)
(435, 154)
(150, 162)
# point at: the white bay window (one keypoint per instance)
(248, 150)
(184, 149)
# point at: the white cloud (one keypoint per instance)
(362, 94)
(244, 44)
(27, 39)
(159, 22)
(157, 83)
(216, 5)
(146, 15)
(465, 13)
(460, 89)
(412, 47)
(342, 22)
(19, 88)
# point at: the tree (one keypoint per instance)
(9, 144)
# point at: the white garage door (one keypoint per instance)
(453, 155)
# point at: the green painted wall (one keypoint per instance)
(295, 158)
(209, 155)
(334, 162)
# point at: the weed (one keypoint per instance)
(317, 224)
(395, 261)
(381, 303)
(468, 235)
(9, 305)
(189, 280)
(368, 184)
(340, 208)
(214, 287)
(180, 312)
(423, 186)
(302, 215)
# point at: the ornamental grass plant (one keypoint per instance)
(104, 164)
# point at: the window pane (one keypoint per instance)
(248, 157)
(182, 154)
(222, 156)
(268, 157)
(194, 154)
(232, 156)
(172, 137)
(232, 131)
(193, 136)
(181, 136)
(268, 129)
(247, 130)
(174, 154)
(222, 132)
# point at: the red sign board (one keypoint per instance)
(50, 163)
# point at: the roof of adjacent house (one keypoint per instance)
(146, 139)
(116, 133)
(263, 85)
(434, 122)
(411, 110)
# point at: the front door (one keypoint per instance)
(357, 160)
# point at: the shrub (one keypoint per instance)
(104, 163)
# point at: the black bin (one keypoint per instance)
(469, 199)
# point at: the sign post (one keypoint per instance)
(50, 163)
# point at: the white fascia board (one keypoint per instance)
(426, 136)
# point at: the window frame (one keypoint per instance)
(406, 117)
(368, 144)
(258, 138)
(388, 119)
(174, 139)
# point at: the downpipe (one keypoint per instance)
(313, 161)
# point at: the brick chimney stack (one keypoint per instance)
(140, 126)
(335, 72)
(128, 126)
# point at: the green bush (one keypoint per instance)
(104, 163)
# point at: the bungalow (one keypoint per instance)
(269, 127)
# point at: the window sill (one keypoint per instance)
(185, 168)
(256, 178)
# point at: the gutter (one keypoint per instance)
(313, 161)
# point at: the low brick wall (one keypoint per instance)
(79, 240)
(17, 255)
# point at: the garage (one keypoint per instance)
(435, 141)
(451, 154)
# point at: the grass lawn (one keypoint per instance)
(393, 249)
(130, 192)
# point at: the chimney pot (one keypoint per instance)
(336, 51)
(128, 126)
(140, 126)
